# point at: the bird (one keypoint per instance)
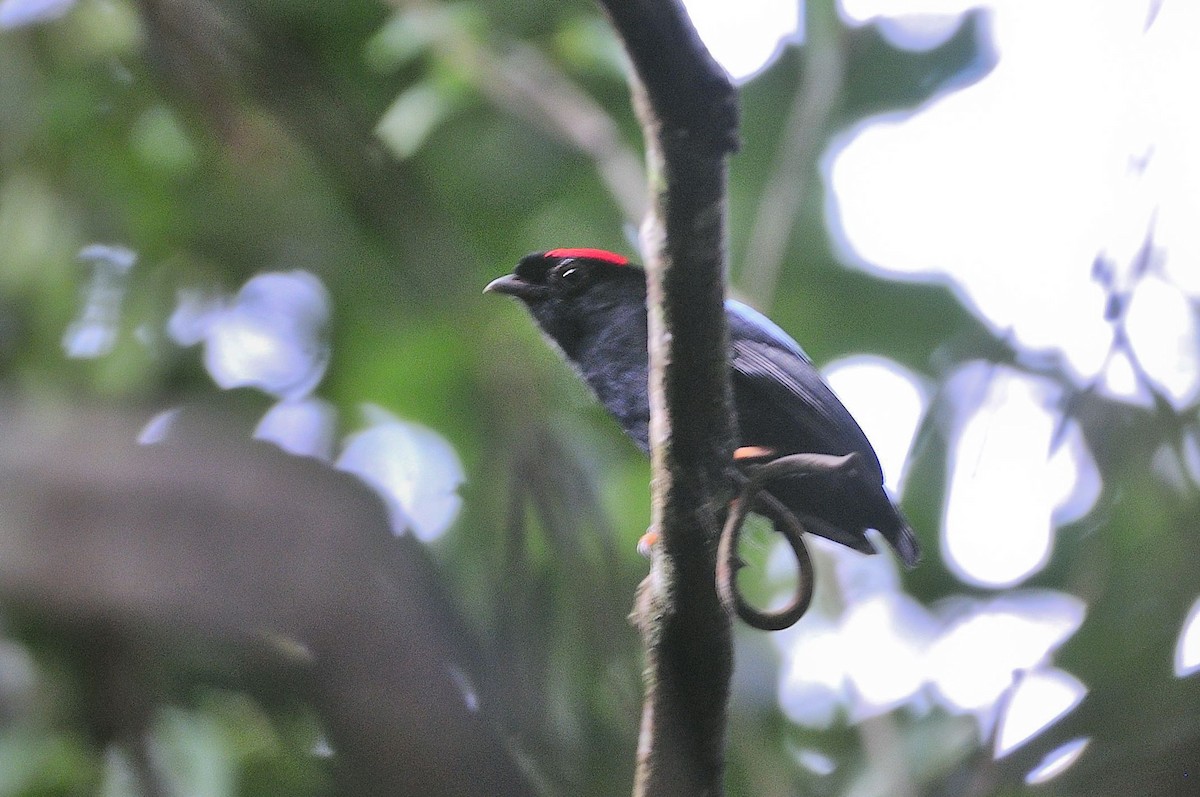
(591, 304)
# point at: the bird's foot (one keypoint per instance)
(647, 542)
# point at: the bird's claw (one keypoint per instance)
(647, 542)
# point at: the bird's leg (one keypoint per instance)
(747, 454)
(753, 496)
(807, 465)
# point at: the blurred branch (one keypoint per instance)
(557, 539)
(688, 110)
(211, 536)
(525, 83)
(791, 178)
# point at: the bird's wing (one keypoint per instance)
(746, 323)
(782, 400)
(783, 404)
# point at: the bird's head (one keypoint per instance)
(558, 274)
(569, 291)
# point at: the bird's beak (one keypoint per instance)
(510, 284)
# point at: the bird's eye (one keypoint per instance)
(568, 273)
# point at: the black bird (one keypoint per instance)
(592, 305)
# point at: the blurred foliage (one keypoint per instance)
(407, 155)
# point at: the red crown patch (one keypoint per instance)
(591, 254)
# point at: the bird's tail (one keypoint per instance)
(900, 534)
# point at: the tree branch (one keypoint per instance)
(688, 109)
(214, 538)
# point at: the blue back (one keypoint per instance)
(747, 323)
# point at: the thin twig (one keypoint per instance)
(728, 564)
(785, 522)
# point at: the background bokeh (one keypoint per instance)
(976, 217)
